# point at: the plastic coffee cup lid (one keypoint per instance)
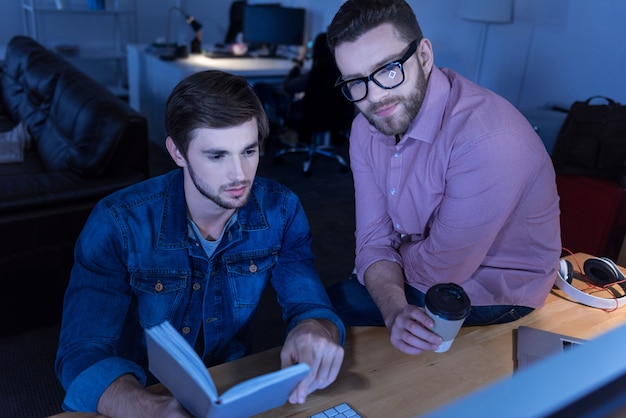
(448, 301)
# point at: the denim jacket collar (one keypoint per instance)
(173, 227)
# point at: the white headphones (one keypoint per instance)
(600, 271)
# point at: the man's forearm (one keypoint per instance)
(126, 397)
(385, 283)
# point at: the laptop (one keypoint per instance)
(535, 344)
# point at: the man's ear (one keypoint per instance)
(426, 56)
(175, 153)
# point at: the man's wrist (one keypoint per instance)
(322, 326)
(126, 397)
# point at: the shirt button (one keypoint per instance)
(253, 268)
(158, 287)
(398, 227)
(393, 192)
(197, 286)
(396, 155)
(186, 330)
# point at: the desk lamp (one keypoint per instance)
(195, 43)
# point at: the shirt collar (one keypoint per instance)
(173, 231)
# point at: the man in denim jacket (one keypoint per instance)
(196, 247)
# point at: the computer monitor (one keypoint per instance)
(271, 26)
(588, 381)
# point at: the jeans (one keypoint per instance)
(356, 307)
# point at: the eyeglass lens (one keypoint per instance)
(388, 77)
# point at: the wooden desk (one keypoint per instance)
(377, 378)
(151, 80)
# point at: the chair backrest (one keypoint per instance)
(236, 20)
(324, 107)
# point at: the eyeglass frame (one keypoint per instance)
(400, 62)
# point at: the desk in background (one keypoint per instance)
(151, 80)
(376, 378)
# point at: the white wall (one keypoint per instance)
(555, 51)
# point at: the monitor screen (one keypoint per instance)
(271, 25)
(586, 382)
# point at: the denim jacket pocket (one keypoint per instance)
(158, 293)
(248, 273)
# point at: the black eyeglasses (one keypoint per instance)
(388, 76)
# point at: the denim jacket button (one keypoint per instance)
(197, 286)
(158, 287)
(186, 330)
(253, 268)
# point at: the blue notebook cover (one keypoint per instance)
(174, 362)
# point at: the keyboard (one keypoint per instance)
(225, 54)
(338, 411)
(228, 54)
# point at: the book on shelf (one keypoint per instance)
(179, 368)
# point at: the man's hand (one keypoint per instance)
(315, 342)
(126, 397)
(410, 331)
(409, 326)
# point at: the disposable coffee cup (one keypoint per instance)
(448, 305)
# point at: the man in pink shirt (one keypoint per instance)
(452, 184)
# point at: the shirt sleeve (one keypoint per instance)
(86, 361)
(376, 238)
(486, 180)
(299, 289)
(85, 390)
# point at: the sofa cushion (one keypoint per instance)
(29, 81)
(83, 128)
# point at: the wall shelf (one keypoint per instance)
(93, 40)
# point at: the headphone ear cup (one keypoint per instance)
(602, 271)
(566, 270)
(616, 269)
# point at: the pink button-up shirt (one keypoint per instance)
(467, 196)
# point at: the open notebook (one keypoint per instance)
(535, 344)
(174, 362)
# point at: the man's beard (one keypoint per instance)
(215, 198)
(399, 123)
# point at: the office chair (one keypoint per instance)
(325, 117)
(235, 25)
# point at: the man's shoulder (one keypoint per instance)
(267, 186)
(269, 196)
(143, 192)
(467, 95)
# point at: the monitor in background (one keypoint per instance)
(271, 26)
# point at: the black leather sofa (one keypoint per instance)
(86, 143)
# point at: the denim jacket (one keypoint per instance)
(136, 265)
